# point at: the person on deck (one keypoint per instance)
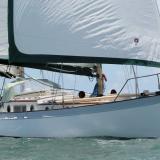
(95, 90)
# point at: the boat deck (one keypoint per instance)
(45, 101)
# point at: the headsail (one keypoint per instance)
(105, 31)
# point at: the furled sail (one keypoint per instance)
(87, 69)
(104, 31)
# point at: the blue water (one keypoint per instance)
(79, 149)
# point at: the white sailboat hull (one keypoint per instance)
(132, 119)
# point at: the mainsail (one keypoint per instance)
(5, 69)
(80, 31)
(80, 69)
(3, 33)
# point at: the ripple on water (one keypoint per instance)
(79, 149)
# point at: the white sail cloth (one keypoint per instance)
(118, 29)
(5, 70)
(4, 49)
(3, 30)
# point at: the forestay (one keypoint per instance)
(105, 31)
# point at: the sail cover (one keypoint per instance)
(86, 69)
(104, 31)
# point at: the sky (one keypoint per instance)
(116, 77)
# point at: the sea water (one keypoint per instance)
(79, 149)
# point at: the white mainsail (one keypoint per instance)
(5, 69)
(107, 31)
(82, 69)
(3, 31)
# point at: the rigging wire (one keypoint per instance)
(62, 86)
(75, 83)
(41, 82)
(126, 76)
(56, 90)
(41, 72)
(4, 80)
(129, 72)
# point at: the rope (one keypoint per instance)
(62, 86)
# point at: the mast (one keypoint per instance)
(99, 80)
(136, 81)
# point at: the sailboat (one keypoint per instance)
(48, 34)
